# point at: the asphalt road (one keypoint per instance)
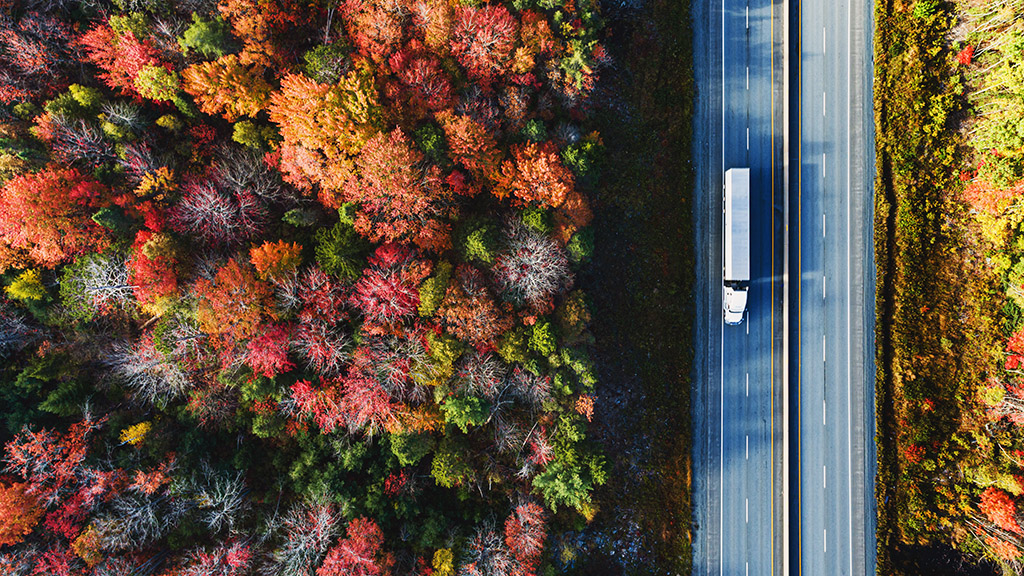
(832, 369)
(737, 439)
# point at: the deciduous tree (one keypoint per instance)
(388, 291)
(275, 260)
(470, 312)
(482, 40)
(120, 56)
(359, 553)
(46, 217)
(19, 513)
(471, 145)
(535, 175)
(226, 86)
(399, 198)
(234, 303)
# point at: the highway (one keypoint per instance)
(738, 503)
(784, 88)
(832, 374)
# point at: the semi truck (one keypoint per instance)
(736, 268)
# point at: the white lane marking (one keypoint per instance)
(748, 323)
(823, 105)
(748, 17)
(748, 383)
(849, 335)
(822, 164)
(822, 286)
(824, 539)
(748, 138)
(748, 568)
(746, 508)
(748, 446)
(748, 77)
(721, 367)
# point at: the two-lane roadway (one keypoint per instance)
(737, 488)
(832, 507)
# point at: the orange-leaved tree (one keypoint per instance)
(535, 175)
(274, 260)
(399, 199)
(323, 125)
(234, 303)
(471, 144)
(46, 217)
(228, 87)
(19, 513)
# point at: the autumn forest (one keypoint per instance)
(293, 287)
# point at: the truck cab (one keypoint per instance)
(734, 303)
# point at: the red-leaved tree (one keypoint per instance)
(267, 353)
(399, 198)
(120, 56)
(525, 531)
(359, 553)
(1000, 509)
(388, 292)
(46, 218)
(483, 39)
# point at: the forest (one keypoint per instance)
(292, 287)
(950, 253)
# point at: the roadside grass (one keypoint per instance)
(642, 287)
(933, 301)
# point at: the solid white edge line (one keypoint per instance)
(721, 405)
(849, 319)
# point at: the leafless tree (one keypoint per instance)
(485, 554)
(135, 520)
(241, 171)
(479, 374)
(533, 267)
(150, 374)
(221, 498)
(101, 280)
(309, 528)
(123, 113)
(73, 141)
(324, 348)
(15, 333)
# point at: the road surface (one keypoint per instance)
(738, 504)
(832, 367)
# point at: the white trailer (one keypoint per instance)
(736, 269)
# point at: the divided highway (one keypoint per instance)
(763, 506)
